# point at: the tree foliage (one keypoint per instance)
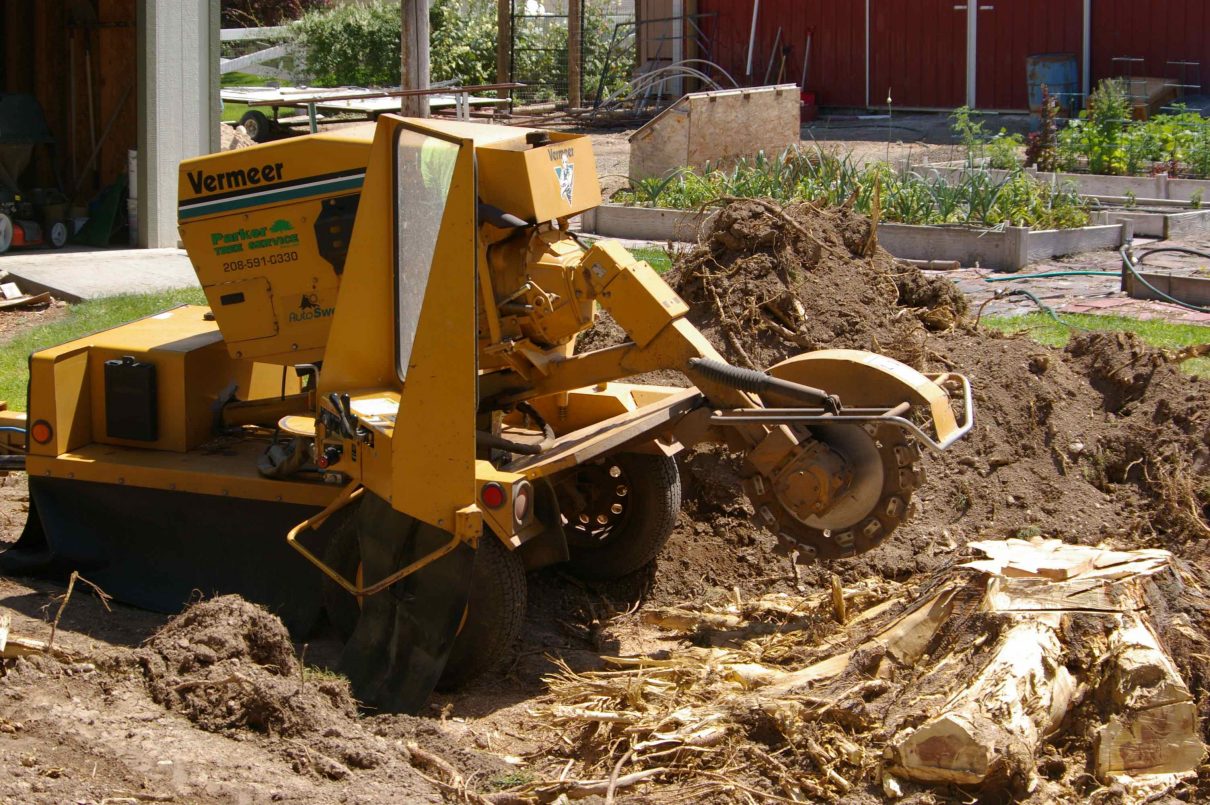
(358, 44)
(256, 13)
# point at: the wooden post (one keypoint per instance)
(414, 56)
(504, 42)
(574, 37)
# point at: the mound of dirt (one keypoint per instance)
(227, 664)
(768, 283)
(1103, 441)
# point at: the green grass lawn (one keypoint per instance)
(81, 320)
(658, 259)
(1162, 334)
(234, 111)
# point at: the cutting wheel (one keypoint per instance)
(883, 463)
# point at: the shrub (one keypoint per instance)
(351, 44)
(1002, 150)
(358, 44)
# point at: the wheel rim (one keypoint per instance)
(596, 503)
(58, 234)
(6, 232)
(252, 127)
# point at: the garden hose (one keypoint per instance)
(1132, 267)
(13, 429)
(1045, 308)
(1014, 277)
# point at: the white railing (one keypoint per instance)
(259, 62)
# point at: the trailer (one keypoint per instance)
(363, 101)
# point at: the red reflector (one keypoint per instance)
(493, 495)
(41, 432)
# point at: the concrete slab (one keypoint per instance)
(74, 274)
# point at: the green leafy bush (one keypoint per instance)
(1105, 140)
(906, 197)
(351, 44)
(358, 44)
(1003, 150)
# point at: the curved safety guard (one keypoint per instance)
(867, 382)
(836, 484)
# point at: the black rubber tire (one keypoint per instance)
(654, 500)
(258, 125)
(495, 610)
(495, 613)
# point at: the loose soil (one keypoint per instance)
(1103, 442)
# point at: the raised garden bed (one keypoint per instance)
(1095, 185)
(1155, 222)
(1007, 249)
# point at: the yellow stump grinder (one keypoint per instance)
(381, 413)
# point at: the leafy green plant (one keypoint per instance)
(358, 44)
(970, 132)
(1195, 200)
(1003, 150)
(351, 44)
(814, 175)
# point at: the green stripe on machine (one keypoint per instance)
(197, 209)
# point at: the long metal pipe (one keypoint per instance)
(972, 47)
(1086, 72)
(752, 35)
(867, 54)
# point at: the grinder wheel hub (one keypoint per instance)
(596, 503)
(871, 472)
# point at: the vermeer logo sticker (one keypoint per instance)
(566, 174)
(280, 233)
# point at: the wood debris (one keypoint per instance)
(966, 678)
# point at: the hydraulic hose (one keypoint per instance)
(485, 439)
(13, 429)
(756, 382)
(1132, 267)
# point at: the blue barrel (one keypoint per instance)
(1060, 73)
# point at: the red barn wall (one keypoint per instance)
(1009, 33)
(1158, 31)
(837, 69)
(918, 48)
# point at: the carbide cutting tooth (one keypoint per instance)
(895, 507)
(845, 539)
(767, 515)
(871, 528)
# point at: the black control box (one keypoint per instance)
(130, 400)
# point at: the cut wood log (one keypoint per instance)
(1154, 731)
(958, 679)
(993, 727)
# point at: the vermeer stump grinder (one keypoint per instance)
(381, 413)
